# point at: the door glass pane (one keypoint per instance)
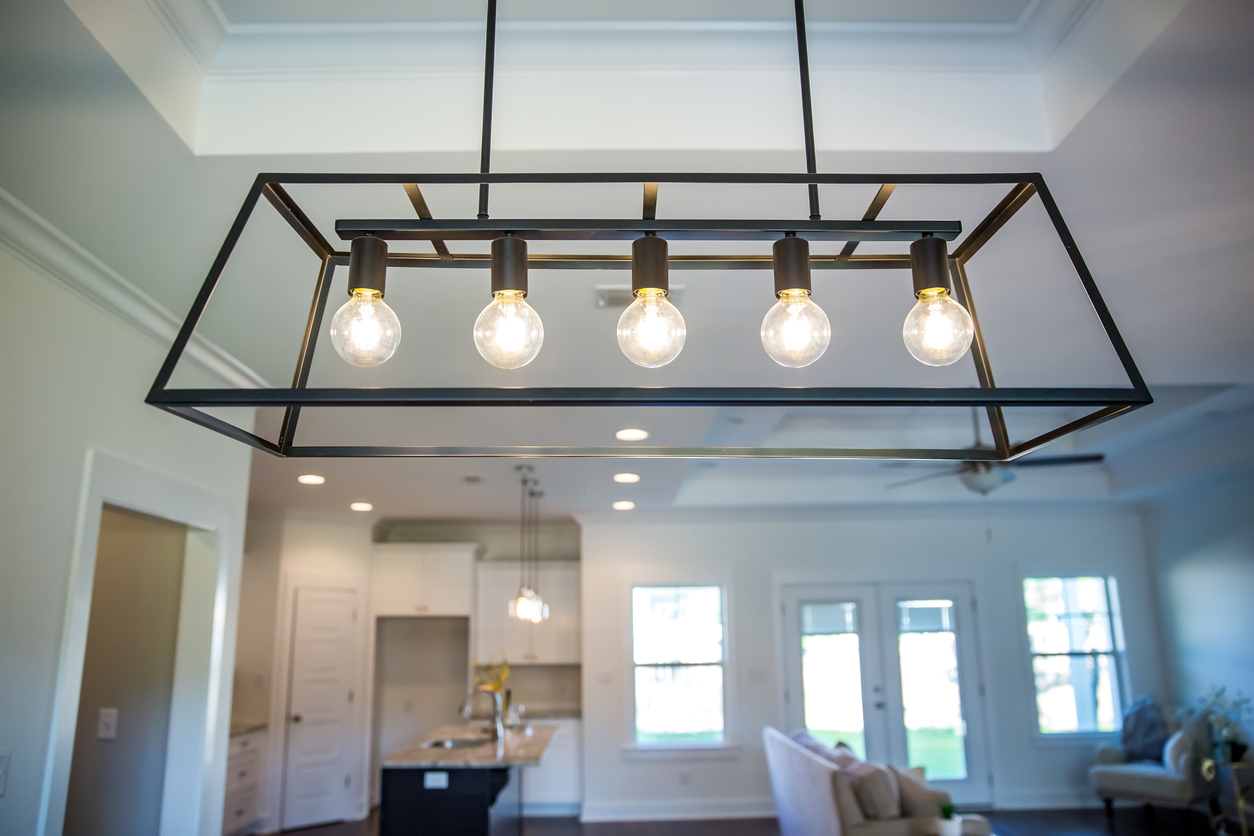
(682, 704)
(831, 674)
(935, 731)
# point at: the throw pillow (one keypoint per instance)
(917, 798)
(850, 810)
(846, 802)
(876, 790)
(1144, 731)
(1177, 749)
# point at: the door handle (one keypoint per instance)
(879, 705)
(296, 718)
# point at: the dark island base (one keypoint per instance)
(474, 802)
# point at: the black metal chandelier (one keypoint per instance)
(942, 327)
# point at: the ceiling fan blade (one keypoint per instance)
(1058, 461)
(924, 478)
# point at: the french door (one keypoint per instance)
(892, 671)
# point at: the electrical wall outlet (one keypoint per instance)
(107, 725)
(5, 757)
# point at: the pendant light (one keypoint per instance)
(508, 332)
(528, 605)
(651, 332)
(937, 331)
(365, 331)
(795, 331)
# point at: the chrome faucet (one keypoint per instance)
(498, 709)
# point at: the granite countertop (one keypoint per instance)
(521, 749)
(239, 727)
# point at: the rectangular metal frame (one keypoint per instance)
(1107, 402)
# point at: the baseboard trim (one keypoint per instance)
(36, 241)
(533, 810)
(705, 808)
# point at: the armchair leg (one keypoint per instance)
(1110, 813)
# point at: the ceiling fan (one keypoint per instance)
(983, 477)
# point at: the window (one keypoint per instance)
(1076, 641)
(678, 654)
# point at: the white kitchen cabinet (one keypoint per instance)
(423, 579)
(499, 635)
(554, 786)
(243, 770)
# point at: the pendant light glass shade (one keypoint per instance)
(938, 331)
(508, 332)
(795, 331)
(651, 332)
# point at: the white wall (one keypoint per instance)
(1203, 549)
(751, 555)
(73, 379)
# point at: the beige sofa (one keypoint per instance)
(813, 798)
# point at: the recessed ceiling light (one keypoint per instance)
(361, 506)
(624, 505)
(627, 478)
(310, 479)
(631, 435)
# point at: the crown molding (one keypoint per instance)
(36, 241)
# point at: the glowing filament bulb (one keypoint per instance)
(365, 331)
(651, 332)
(938, 331)
(509, 333)
(795, 331)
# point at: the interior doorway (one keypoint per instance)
(893, 671)
(320, 757)
(117, 771)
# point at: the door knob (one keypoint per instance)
(296, 718)
(879, 705)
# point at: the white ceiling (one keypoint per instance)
(1155, 182)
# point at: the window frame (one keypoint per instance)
(1117, 653)
(635, 750)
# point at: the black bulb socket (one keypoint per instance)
(791, 256)
(509, 264)
(650, 264)
(929, 265)
(367, 264)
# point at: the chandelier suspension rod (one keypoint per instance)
(489, 73)
(807, 109)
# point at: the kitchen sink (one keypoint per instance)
(456, 743)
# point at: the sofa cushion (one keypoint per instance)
(917, 798)
(1176, 753)
(876, 790)
(1141, 781)
(846, 802)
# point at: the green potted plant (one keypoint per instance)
(950, 824)
(1227, 731)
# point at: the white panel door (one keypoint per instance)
(320, 732)
(834, 666)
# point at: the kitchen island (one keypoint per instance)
(457, 781)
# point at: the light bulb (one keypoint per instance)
(365, 331)
(651, 332)
(795, 331)
(938, 330)
(509, 333)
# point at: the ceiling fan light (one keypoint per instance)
(984, 480)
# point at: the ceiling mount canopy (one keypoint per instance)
(941, 329)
